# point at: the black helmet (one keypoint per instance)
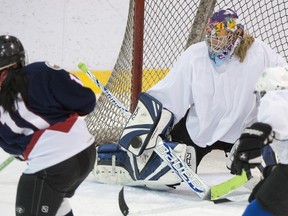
(11, 52)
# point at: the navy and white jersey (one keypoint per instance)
(46, 129)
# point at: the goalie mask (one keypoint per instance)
(223, 35)
(11, 52)
(275, 78)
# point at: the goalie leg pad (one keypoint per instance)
(112, 165)
(117, 166)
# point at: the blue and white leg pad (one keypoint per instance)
(117, 166)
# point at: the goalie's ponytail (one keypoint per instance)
(245, 44)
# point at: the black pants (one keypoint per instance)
(42, 193)
(180, 134)
(272, 192)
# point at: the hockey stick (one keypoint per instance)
(193, 180)
(180, 168)
(6, 162)
(111, 97)
(167, 208)
(125, 209)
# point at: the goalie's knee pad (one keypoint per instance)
(117, 166)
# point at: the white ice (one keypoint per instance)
(94, 199)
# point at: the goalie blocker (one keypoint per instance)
(134, 162)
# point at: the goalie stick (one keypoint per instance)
(82, 66)
(181, 168)
(6, 162)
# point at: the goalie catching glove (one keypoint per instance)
(247, 152)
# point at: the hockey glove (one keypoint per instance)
(248, 153)
(19, 157)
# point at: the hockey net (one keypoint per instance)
(170, 27)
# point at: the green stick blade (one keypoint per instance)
(226, 187)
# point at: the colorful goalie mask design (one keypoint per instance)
(223, 34)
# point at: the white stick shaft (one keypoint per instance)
(107, 92)
(82, 66)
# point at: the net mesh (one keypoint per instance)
(168, 30)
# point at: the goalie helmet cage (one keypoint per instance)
(157, 32)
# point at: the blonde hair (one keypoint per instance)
(245, 44)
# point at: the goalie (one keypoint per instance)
(213, 82)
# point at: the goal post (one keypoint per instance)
(157, 32)
(137, 60)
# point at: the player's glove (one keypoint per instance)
(248, 152)
(19, 157)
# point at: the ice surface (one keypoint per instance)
(93, 199)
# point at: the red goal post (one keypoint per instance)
(157, 32)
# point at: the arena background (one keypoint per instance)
(65, 32)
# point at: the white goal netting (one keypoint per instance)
(169, 26)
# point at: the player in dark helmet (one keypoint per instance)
(40, 105)
(12, 52)
(12, 57)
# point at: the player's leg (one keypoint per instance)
(180, 134)
(43, 193)
(273, 193)
(117, 166)
(82, 167)
(269, 196)
(69, 174)
(36, 197)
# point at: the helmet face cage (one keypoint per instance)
(11, 52)
(221, 30)
(219, 44)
